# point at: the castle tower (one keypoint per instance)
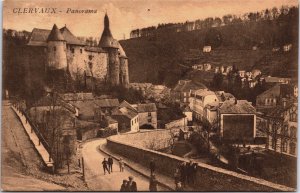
(124, 75)
(57, 56)
(108, 43)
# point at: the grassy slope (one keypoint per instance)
(156, 59)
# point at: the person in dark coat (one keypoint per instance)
(124, 186)
(110, 163)
(105, 168)
(183, 172)
(132, 185)
(153, 184)
(152, 167)
(189, 171)
(194, 172)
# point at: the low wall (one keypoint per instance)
(156, 139)
(209, 178)
(177, 123)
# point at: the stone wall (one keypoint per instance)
(208, 178)
(177, 123)
(157, 139)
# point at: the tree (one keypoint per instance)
(217, 22)
(227, 19)
(217, 81)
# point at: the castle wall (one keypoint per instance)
(57, 57)
(124, 75)
(80, 60)
(114, 67)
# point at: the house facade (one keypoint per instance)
(198, 101)
(147, 115)
(237, 120)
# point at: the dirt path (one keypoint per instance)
(22, 169)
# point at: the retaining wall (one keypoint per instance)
(208, 178)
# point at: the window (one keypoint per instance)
(131, 122)
(73, 50)
(149, 120)
(292, 148)
(293, 132)
(274, 143)
(80, 51)
(285, 130)
(54, 49)
(284, 146)
(293, 117)
(149, 114)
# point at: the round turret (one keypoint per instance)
(57, 56)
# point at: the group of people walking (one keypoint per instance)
(129, 185)
(108, 165)
(185, 174)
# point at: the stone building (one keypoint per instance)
(237, 120)
(147, 115)
(58, 53)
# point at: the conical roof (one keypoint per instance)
(55, 34)
(107, 40)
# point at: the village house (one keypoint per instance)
(188, 113)
(242, 73)
(207, 67)
(207, 49)
(77, 96)
(198, 101)
(224, 96)
(287, 47)
(280, 124)
(182, 91)
(127, 117)
(275, 80)
(106, 105)
(147, 115)
(237, 120)
(272, 97)
(255, 73)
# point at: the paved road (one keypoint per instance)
(95, 177)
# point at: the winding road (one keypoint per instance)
(94, 176)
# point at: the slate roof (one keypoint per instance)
(124, 111)
(278, 90)
(204, 92)
(110, 120)
(148, 107)
(86, 108)
(107, 40)
(127, 105)
(107, 102)
(186, 86)
(241, 107)
(55, 35)
(39, 37)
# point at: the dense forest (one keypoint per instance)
(159, 57)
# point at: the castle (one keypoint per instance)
(59, 52)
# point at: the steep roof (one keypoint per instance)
(204, 92)
(107, 102)
(241, 107)
(86, 108)
(283, 90)
(121, 51)
(124, 111)
(77, 96)
(186, 86)
(55, 35)
(107, 40)
(127, 105)
(69, 37)
(39, 37)
(148, 107)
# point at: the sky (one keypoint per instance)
(124, 15)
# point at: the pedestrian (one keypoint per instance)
(179, 187)
(194, 172)
(189, 171)
(152, 167)
(121, 165)
(132, 187)
(124, 186)
(183, 172)
(110, 163)
(105, 168)
(153, 184)
(177, 176)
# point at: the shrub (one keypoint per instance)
(106, 132)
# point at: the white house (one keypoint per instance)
(199, 99)
(207, 49)
(287, 47)
(147, 115)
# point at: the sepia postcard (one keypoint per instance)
(149, 95)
